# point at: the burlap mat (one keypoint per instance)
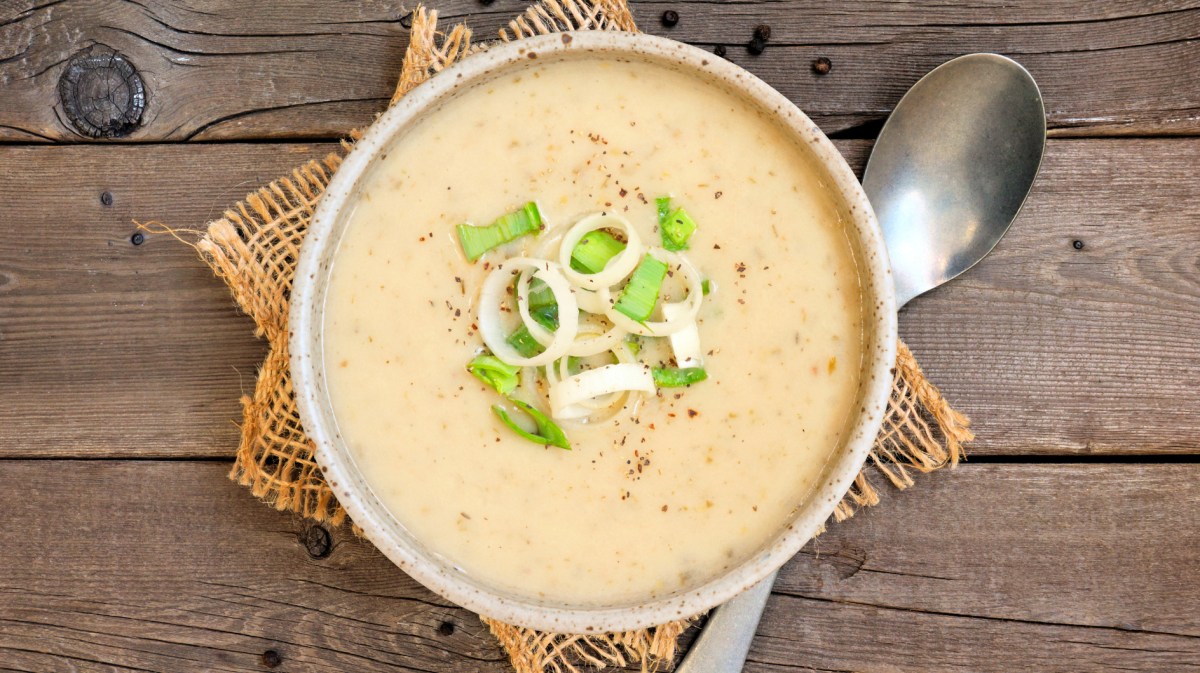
(254, 248)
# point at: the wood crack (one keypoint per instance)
(996, 618)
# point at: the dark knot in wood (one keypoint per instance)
(317, 542)
(102, 94)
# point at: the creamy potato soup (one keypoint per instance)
(673, 485)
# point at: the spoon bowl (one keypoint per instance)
(952, 167)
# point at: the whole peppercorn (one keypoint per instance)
(720, 50)
(762, 31)
(822, 66)
(670, 18)
(757, 45)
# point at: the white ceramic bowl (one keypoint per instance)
(308, 297)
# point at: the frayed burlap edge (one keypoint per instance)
(254, 247)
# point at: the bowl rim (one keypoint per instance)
(364, 508)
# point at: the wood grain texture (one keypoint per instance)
(221, 69)
(107, 348)
(168, 566)
(110, 349)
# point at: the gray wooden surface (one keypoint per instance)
(1069, 542)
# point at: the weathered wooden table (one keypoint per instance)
(1069, 541)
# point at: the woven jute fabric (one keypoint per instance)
(253, 248)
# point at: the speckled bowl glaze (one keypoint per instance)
(308, 298)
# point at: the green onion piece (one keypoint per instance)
(664, 208)
(593, 251)
(634, 343)
(677, 229)
(495, 372)
(524, 342)
(705, 288)
(546, 316)
(540, 295)
(640, 294)
(542, 306)
(478, 240)
(675, 377)
(547, 431)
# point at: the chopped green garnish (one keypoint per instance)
(592, 252)
(634, 343)
(495, 372)
(542, 306)
(524, 343)
(676, 377)
(540, 295)
(677, 228)
(664, 208)
(705, 287)
(547, 431)
(478, 240)
(641, 293)
(546, 316)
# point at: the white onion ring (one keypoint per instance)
(491, 298)
(590, 301)
(540, 334)
(566, 397)
(617, 268)
(604, 340)
(557, 371)
(691, 305)
(686, 342)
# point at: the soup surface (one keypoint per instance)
(707, 474)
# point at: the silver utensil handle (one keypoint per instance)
(725, 640)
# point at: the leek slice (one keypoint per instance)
(476, 241)
(677, 228)
(494, 372)
(524, 343)
(640, 295)
(594, 250)
(677, 377)
(548, 432)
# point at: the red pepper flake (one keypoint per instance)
(664, 508)
(651, 426)
(623, 192)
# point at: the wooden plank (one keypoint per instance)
(1092, 350)
(1001, 568)
(223, 69)
(167, 566)
(114, 350)
(107, 348)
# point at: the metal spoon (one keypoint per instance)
(951, 168)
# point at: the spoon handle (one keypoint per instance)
(725, 640)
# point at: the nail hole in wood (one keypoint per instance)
(446, 628)
(271, 659)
